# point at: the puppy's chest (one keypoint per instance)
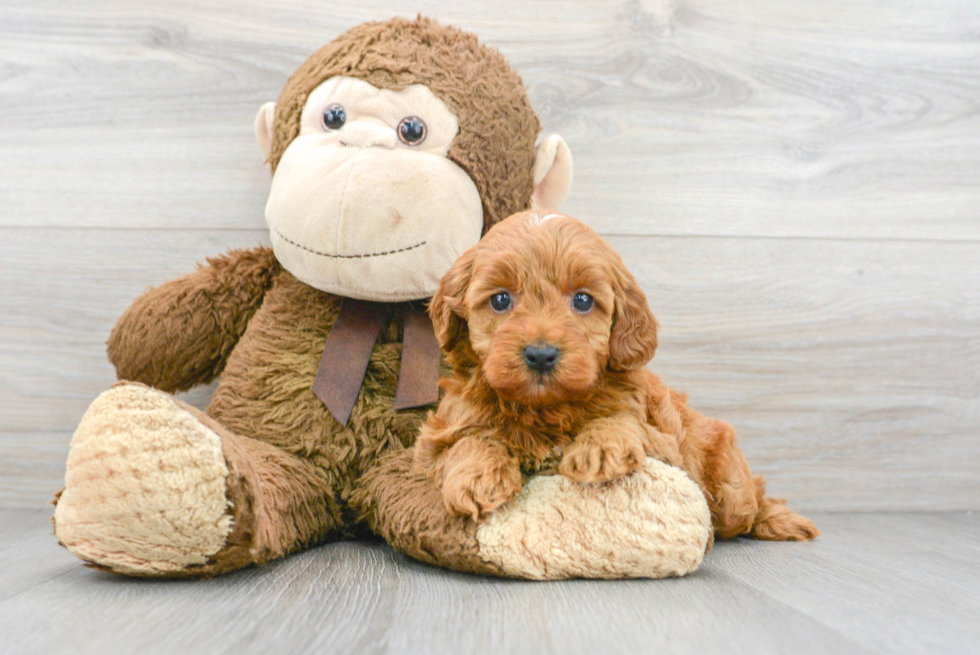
(539, 444)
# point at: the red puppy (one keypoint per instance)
(549, 335)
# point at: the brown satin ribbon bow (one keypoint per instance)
(348, 351)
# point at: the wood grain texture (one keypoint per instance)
(871, 581)
(848, 367)
(860, 588)
(29, 553)
(824, 118)
(795, 185)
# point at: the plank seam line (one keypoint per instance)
(733, 579)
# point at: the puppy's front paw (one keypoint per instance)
(591, 460)
(474, 490)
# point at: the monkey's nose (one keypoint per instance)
(541, 358)
(366, 135)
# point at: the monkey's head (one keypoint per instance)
(393, 149)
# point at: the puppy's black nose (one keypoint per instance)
(541, 358)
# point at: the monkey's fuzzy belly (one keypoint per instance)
(265, 391)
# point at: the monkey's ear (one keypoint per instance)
(263, 127)
(552, 173)
(446, 307)
(633, 340)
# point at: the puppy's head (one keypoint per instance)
(545, 306)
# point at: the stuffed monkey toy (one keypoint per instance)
(393, 149)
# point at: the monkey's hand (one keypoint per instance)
(180, 334)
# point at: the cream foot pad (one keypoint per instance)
(652, 524)
(144, 486)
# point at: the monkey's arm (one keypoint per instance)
(180, 334)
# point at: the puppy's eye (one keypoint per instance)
(412, 131)
(582, 302)
(334, 117)
(500, 302)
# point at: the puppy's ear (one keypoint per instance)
(446, 307)
(633, 340)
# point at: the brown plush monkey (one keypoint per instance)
(393, 149)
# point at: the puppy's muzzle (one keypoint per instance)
(541, 358)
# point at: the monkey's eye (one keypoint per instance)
(412, 130)
(334, 117)
(500, 302)
(582, 302)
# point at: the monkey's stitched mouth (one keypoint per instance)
(358, 256)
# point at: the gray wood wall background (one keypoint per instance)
(796, 185)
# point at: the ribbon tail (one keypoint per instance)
(346, 355)
(418, 379)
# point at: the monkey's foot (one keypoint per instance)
(145, 486)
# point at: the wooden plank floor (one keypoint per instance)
(873, 583)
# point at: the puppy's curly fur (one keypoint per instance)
(593, 408)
